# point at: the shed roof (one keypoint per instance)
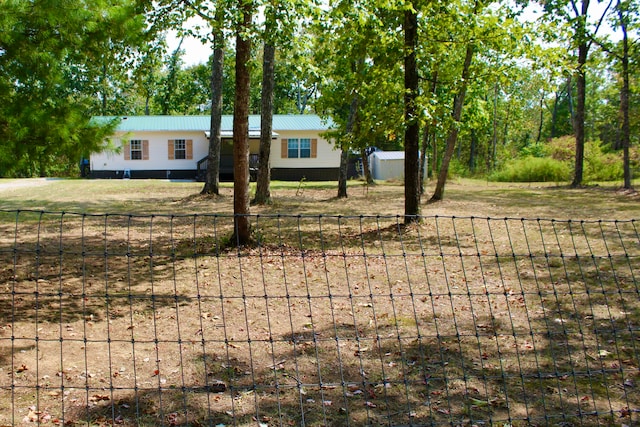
(203, 123)
(389, 155)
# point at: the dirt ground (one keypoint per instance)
(339, 319)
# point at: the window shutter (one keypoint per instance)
(284, 148)
(145, 149)
(189, 154)
(171, 150)
(127, 150)
(314, 148)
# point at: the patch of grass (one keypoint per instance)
(533, 169)
(464, 197)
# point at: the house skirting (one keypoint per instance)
(278, 174)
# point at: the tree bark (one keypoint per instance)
(263, 192)
(452, 138)
(472, 151)
(343, 172)
(494, 136)
(344, 154)
(366, 169)
(212, 180)
(241, 128)
(412, 125)
(426, 141)
(423, 156)
(624, 100)
(580, 114)
(539, 137)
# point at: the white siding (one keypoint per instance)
(327, 156)
(158, 152)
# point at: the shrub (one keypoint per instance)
(533, 169)
(562, 148)
(601, 166)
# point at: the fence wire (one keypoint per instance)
(136, 320)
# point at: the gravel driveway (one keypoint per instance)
(10, 184)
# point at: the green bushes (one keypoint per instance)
(601, 166)
(555, 160)
(533, 169)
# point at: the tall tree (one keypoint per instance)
(576, 14)
(263, 180)
(412, 124)
(362, 81)
(624, 17)
(456, 115)
(241, 124)
(625, 20)
(212, 182)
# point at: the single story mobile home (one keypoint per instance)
(176, 147)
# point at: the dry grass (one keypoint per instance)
(137, 320)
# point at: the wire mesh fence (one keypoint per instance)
(323, 320)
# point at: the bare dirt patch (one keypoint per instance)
(130, 319)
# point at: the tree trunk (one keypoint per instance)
(494, 136)
(241, 128)
(472, 151)
(572, 111)
(541, 117)
(212, 180)
(580, 113)
(263, 193)
(425, 140)
(452, 138)
(366, 169)
(624, 101)
(344, 154)
(412, 125)
(423, 156)
(434, 157)
(554, 115)
(342, 175)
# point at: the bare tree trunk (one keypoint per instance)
(580, 114)
(472, 151)
(452, 138)
(494, 136)
(624, 100)
(263, 193)
(434, 157)
(342, 174)
(425, 140)
(572, 111)
(554, 115)
(241, 128)
(344, 154)
(366, 170)
(423, 156)
(412, 125)
(541, 117)
(212, 180)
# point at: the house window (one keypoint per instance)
(180, 149)
(136, 149)
(299, 148)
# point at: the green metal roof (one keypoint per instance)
(202, 123)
